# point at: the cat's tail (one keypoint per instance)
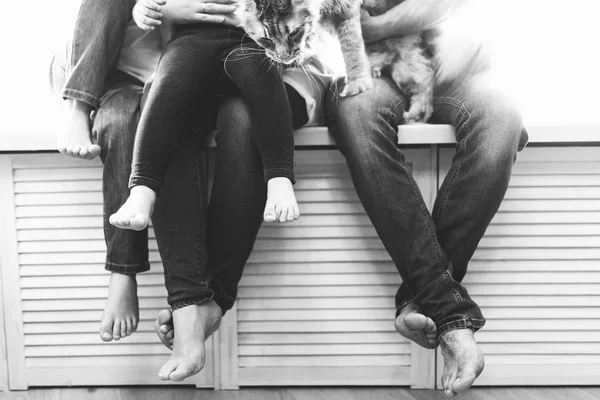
(457, 58)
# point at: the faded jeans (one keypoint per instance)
(431, 252)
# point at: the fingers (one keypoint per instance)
(154, 4)
(215, 8)
(147, 14)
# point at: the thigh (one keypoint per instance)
(115, 121)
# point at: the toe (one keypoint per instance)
(83, 153)
(125, 327)
(106, 330)
(94, 151)
(291, 214)
(165, 317)
(184, 370)
(296, 211)
(277, 213)
(117, 330)
(75, 150)
(269, 214)
(166, 370)
(134, 324)
(284, 214)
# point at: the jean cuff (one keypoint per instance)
(461, 323)
(150, 183)
(280, 173)
(87, 98)
(401, 306)
(127, 269)
(193, 302)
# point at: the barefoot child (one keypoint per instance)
(190, 76)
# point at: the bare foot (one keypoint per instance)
(135, 213)
(164, 328)
(415, 326)
(281, 201)
(121, 314)
(193, 324)
(75, 139)
(463, 361)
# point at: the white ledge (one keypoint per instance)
(421, 134)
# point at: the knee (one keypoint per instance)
(234, 128)
(364, 125)
(502, 132)
(116, 120)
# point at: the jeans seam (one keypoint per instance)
(185, 303)
(198, 247)
(462, 109)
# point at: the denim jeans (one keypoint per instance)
(85, 72)
(431, 252)
(239, 191)
(189, 77)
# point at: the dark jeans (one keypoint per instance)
(189, 78)
(239, 191)
(431, 252)
(85, 72)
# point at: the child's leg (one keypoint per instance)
(99, 32)
(262, 87)
(115, 124)
(184, 81)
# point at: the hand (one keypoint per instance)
(193, 11)
(369, 26)
(147, 15)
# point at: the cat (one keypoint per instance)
(408, 61)
(286, 29)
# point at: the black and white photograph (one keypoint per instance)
(300, 200)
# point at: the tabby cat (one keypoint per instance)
(408, 61)
(286, 29)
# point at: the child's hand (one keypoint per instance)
(147, 15)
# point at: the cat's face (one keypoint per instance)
(281, 27)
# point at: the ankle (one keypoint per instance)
(78, 106)
(143, 191)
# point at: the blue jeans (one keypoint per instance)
(431, 252)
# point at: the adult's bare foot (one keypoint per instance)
(163, 325)
(463, 361)
(75, 139)
(121, 314)
(415, 326)
(193, 324)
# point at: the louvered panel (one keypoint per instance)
(316, 303)
(536, 273)
(64, 286)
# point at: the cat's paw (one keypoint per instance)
(357, 86)
(376, 72)
(419, 112)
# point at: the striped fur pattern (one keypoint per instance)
(286, 29)
(407, 60)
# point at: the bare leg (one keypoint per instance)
(121, 314)
(75, 139)
(463, 361)
(415, 326)
(194, 325)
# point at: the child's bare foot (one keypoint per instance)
(463, 361)
(121, 314)
(415, 326)
(193, 324)
(135, 213)
(75, 139)
(164, 328)
(281, 201)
